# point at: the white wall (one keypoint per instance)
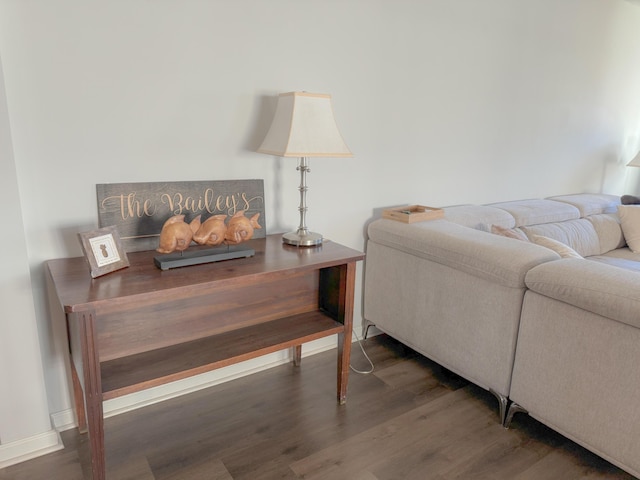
(442, 102)
(23, 403)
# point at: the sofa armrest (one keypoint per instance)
(599, 288)
(493, 257)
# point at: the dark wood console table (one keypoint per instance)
(141, 327)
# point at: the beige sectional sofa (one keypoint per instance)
(554, 334)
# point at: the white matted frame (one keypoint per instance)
(103, 250)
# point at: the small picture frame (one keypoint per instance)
(103, 251)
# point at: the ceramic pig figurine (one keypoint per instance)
(212, 231)
(176, 234)
(240, 228)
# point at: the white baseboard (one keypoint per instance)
(66, 419)
(30, 447)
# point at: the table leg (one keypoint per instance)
(347, 289)
(78, 397)
(93, 395)
(297, 355)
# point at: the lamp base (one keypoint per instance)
(308, 239)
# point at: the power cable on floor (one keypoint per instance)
(363, 372)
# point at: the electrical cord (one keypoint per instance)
(363, 372)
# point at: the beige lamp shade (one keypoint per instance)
(304, 126)
(635, 161)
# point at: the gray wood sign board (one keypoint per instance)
(139, 210)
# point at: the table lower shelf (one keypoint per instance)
(131, 374)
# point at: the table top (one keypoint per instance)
(77, 291)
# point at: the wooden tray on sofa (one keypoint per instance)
(413, 213)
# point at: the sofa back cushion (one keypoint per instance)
(579, 234)
(630, 222)
(537, 211)
(562, 249)
(590, 203)
(607, 226)
(594, 235)
(585, 222)
(478, 217)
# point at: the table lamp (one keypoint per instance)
(303, 126)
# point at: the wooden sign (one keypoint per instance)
(139, 210)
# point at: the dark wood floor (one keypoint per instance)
(410, 419)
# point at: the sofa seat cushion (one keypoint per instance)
(579, 234)
(621, 257)
(616, 262)
(536, 211)
(623, 253)
(591, 285)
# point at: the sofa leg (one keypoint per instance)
(502, 402)
(365, 328)
(513, 409)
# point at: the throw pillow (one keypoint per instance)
(629, 200)
(565, 251)
(509, 232)
(630, 223)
